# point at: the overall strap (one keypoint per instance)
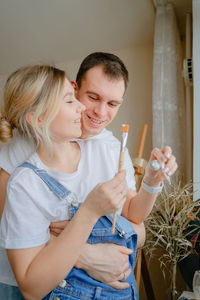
(53, 184)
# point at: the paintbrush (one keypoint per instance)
(124, 137)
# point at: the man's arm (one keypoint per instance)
(109, 262)
(57, 227)
(4, 176)
(105, 262)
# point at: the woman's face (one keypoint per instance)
(67, 123)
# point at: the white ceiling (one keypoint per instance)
(60, 30)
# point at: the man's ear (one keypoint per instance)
(75, 85)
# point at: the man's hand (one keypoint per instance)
(108, 263)
(57, 227)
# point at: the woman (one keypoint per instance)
(40, 102)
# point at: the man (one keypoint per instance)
(100, 85)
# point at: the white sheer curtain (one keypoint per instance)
(168, 90)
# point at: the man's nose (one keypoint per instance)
(100, 109)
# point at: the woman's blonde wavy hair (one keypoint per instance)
(35, 91)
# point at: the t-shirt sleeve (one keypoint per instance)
(15, 152)
(130, 173)
(23, 223)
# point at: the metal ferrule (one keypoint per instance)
(124, 141)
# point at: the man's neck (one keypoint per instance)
(85, 135)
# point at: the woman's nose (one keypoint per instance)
(81, 107)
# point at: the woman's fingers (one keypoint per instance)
(116, 188)
(109, 196)
(162, 156)
(162, 164)
(171, 165)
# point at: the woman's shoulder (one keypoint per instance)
(26, 190)
(23, 176)
(15, 152)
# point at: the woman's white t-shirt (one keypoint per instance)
(31, 207)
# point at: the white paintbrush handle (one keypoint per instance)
(156, 166)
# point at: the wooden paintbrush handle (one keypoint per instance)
(120, 168)
(121, 161)
(114, 222)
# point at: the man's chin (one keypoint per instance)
(90, 132)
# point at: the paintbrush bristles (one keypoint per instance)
(125, 128)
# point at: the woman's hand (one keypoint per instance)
(104, 199)
(167, 162)
(107, 197)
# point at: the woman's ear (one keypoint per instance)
(29, 118)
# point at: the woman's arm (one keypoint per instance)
(59, 255)
(139, 205)
(39, 270)
(4, 176)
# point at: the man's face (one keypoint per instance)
(102, 98)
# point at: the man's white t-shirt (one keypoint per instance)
(98, 163)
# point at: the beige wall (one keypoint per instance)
(137, 107)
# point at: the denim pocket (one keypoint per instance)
(82, 291)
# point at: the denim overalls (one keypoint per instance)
(78, 284)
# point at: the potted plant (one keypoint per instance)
(169, 226)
